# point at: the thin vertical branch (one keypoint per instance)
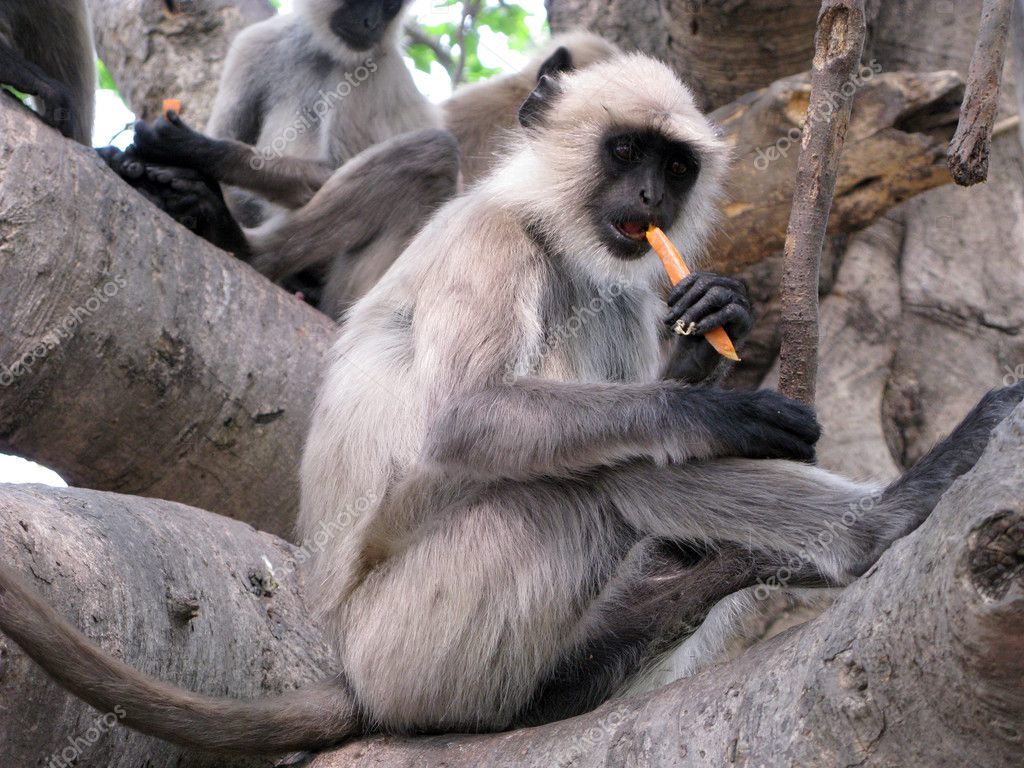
(969, 151)
(1018, 61)
(838, 45)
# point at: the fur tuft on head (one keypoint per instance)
(558, 160)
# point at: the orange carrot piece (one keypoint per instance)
(677, 270)
(172, 104)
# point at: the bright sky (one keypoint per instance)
(112, 116)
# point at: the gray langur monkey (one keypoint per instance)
(46, 51)
(302, 96)
(396, 186)
(511, 506)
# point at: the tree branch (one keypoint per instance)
(179, 593)
(900, 671)
(972, 145)
(839, 43)
(135, 357)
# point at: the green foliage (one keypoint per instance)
(456, 45)
(22, 97)
(104, 78)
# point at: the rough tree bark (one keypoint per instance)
(135, 357)
(179, 593)
(161, 49)
(839, 43)
(921, 662)
(635, 25)
(895, 149)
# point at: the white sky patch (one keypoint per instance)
(16, 470)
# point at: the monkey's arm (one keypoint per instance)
(535, 428)
(26, 77)
(287, 181)
(705, 300)
(391, 187)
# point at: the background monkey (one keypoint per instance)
(46, 51)
(482, 117)
(301, 95)
(534, 510)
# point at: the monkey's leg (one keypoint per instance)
(839, 526)
(26, 77)
(659, 595)
(190, 198)
(288, 181)
(381, 190)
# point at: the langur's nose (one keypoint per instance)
(651, 198)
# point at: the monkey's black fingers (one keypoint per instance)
(122, 163)
(735, 318)
(775, 412)
(688, 294)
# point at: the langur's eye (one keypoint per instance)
(679, 168)
(625, 150)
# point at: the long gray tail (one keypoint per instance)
(310, 718)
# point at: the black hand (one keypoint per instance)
(709, 300)
(170, 141)
(766, 425)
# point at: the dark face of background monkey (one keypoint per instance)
(361, 24)
(648, 178)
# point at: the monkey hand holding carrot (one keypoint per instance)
(708, 312)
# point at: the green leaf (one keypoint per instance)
(104, 78)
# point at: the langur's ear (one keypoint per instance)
(557, 63)
(538, 102)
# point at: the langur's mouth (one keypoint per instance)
(633, 229)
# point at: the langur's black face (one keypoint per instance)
(647, 179)
(361, 24)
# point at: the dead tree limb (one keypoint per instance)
(895, 149)
(972, 145)
(839, 43)
(135, 357)
(1018, 62)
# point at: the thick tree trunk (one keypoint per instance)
(135, 357)
(634, 25)
(190, 597)
(163, 49)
